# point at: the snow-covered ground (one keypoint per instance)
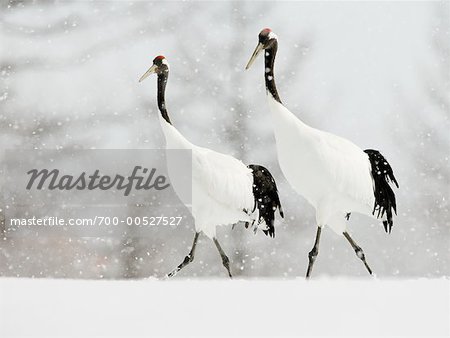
(46, 307)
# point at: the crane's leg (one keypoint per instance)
(314, 252)
(188, 259)
(359, 252)
(225, 260)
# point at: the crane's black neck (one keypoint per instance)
(162, 81)
(269, 62)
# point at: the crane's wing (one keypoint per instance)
(349, 167)
(223, 177)
(363, 176)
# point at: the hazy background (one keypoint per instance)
(375, 73)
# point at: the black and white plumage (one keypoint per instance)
(382, 174)
(334, 175)
(266, 197)
(224, 190)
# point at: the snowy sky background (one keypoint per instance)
(375, 73)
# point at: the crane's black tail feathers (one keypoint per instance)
(266, 197)
(382, 174)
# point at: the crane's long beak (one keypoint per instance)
(255, 54)
(151, 70)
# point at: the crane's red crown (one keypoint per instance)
(159, 57)
(265, 31)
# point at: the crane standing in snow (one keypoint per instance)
(224, 190)
(334, 175)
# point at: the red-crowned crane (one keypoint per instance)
(334, 175)
(224, 190)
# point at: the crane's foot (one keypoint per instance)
(225, 259)
(226, 264)
(188, 259)
(312, 255)
(312, 258)
(360, 253)
(358, 250)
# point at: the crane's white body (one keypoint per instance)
(222, 186)
(332, 173)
